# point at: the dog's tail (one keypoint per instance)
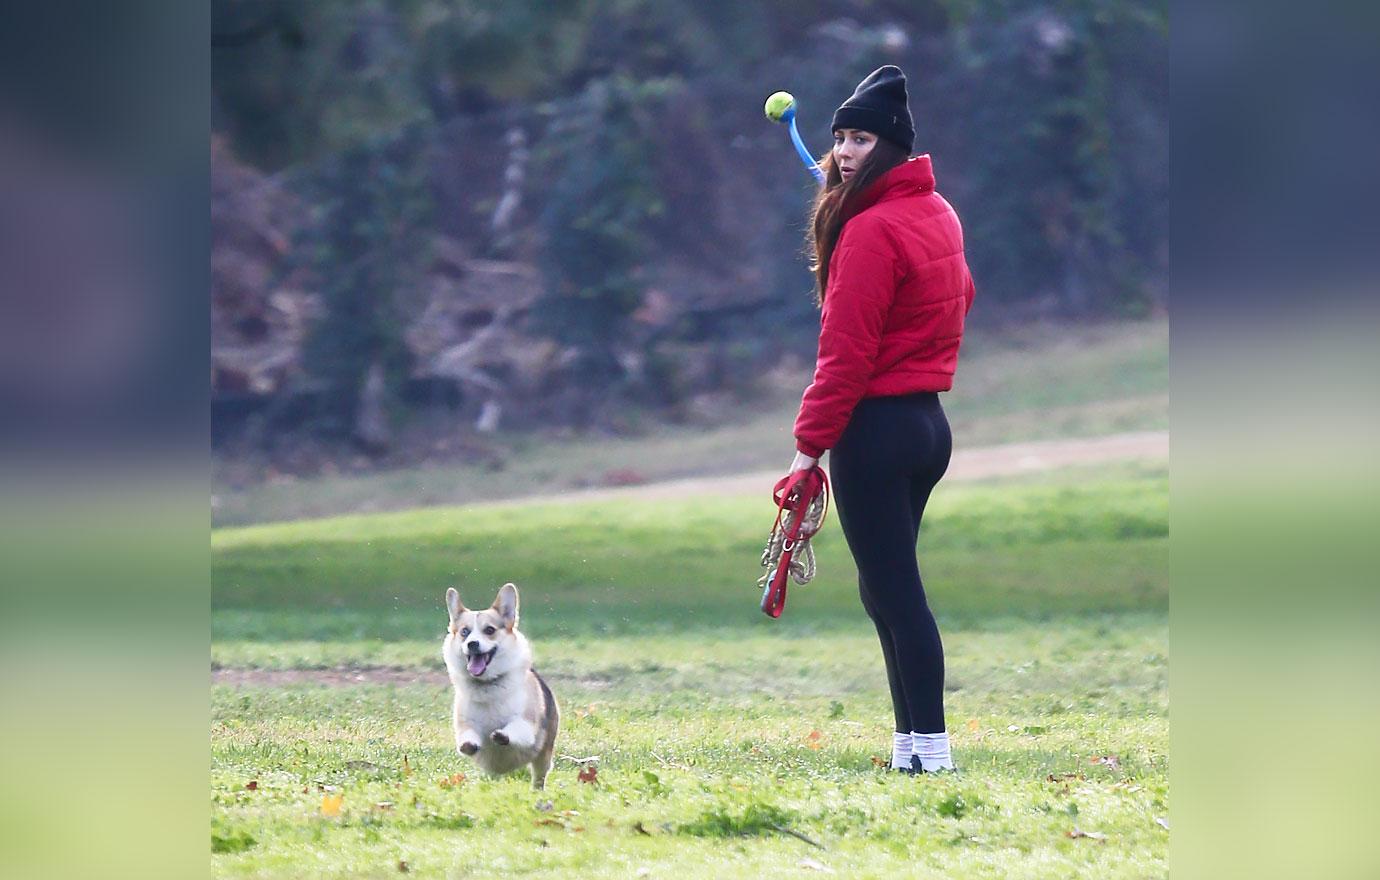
(552, 711)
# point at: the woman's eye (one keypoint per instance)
(488, 630)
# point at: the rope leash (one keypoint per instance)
(802, 503)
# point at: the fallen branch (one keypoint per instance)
(797, 835)
(666, 763)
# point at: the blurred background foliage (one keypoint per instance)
(590, 196)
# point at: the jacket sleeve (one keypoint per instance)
(862, 285)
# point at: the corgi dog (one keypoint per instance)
(505, 716)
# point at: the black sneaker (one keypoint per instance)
(916, 769)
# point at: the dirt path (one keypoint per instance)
(351, 676)
(341, 677)
(968, 464)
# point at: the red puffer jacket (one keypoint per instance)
(899, 289)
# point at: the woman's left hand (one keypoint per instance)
(802, 462)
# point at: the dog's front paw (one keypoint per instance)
(499, 737)
(469, 748)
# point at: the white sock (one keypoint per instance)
(900, 751)
(933, 751)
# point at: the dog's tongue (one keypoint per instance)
(478, 663)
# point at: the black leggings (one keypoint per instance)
(884, 467)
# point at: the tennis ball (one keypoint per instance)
(777, 105)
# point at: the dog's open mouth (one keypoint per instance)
(480, 662)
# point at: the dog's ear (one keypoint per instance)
(506, 604)
(453, 603)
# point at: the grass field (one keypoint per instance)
(727, 744)
(1046, 382)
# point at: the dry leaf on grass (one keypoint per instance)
(878, 762)
(407, 771)
(590, 774)
(973, 725)
(330, 805)
(252, 785)
(1090, 835)
(453, 780)
(1108, 760)
(812, 740)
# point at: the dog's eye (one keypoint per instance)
(488, 630)
(464, 632)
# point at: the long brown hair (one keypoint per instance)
(837, 201)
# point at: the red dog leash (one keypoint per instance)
(796, 496)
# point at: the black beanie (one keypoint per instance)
(879, 105)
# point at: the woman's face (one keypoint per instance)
(851, 146)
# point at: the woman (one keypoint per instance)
(893, 288)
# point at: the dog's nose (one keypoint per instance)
(472, 647)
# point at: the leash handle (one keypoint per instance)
(795, 492)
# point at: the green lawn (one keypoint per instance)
(720, 735)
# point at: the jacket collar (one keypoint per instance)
(913, 177)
